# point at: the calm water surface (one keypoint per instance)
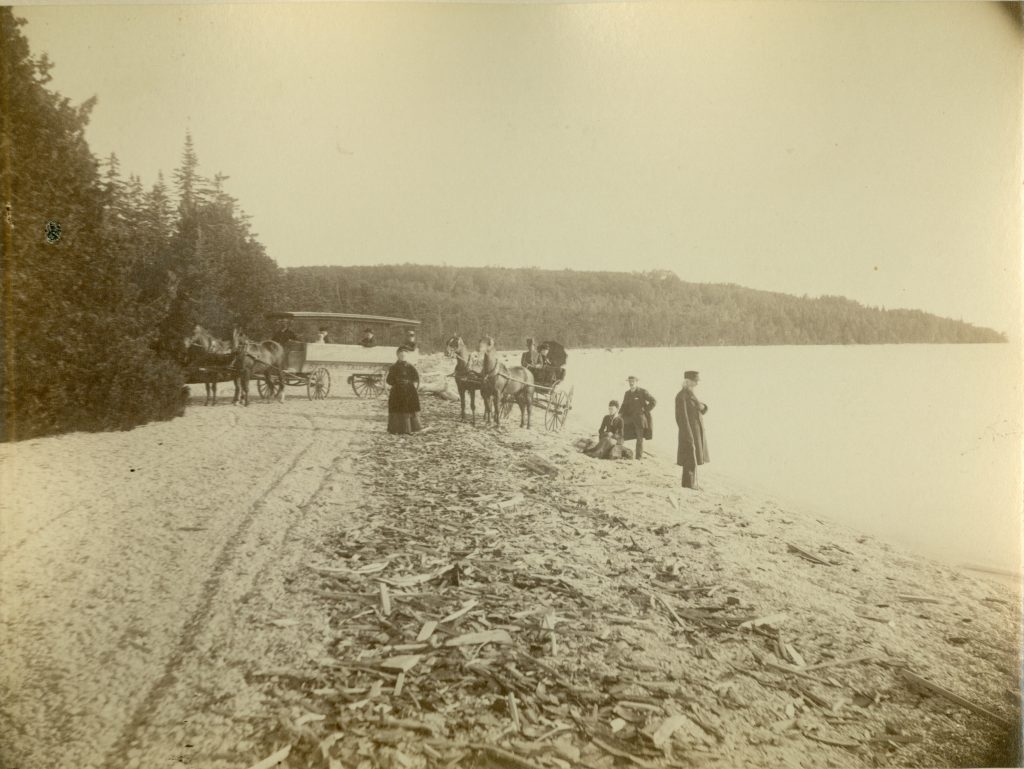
(914, 443)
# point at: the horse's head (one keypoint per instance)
(453, 346)
(485, 345)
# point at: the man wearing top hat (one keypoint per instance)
(693, 447)
(635, 411)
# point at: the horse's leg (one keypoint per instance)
(462, 400)
(472, 405)
(238, 391)
(280, 393)
(243, 385)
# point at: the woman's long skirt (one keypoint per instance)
(403, 424)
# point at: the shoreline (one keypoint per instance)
(440, 599)
(702, 593)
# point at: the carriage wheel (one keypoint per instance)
(554, 416)
(318, 385)
(261, 386)
(568, 407)
(380, 385)
(362, 385)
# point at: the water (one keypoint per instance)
(918, 444)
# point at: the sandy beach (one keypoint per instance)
(290, 583)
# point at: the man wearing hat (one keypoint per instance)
(635, 411)
(531, 358)
(410, 344)
(368, 340)
(284, 333)
(693, 447)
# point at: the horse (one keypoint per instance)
(466, 379)
(503, 382)
(266, 359)
(204, 350)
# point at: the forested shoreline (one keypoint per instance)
(94, 315)
(607, 309)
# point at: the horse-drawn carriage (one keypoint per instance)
(481, 372)
(549, 389)
(309, 364)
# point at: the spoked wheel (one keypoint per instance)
(318, 386)
(368, 385)
(261, 386)
(559, 404)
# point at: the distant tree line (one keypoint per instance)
(606, 309)
(103, 278)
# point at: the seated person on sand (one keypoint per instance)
(368, 340)
(609, 444)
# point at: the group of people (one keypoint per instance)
(628, 419)
(631, 419)
(285, 334)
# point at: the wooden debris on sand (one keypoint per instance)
(469, 631)
(805, 555)
(273, 759)
(927, 686)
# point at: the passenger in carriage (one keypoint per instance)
(410, 344)
(284, 333)
(531, 358)
(368, 340)
(322, 337)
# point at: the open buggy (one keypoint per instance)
(550, 391)
(309, 363)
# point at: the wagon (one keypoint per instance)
(550, 391)
(309, 364)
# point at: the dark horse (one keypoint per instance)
(266, 359)
(506, 383)
(215, 357)
(466, 379)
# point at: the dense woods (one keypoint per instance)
(94, 317)
(93, 320)
(607, 309)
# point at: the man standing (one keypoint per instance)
(635, 411)
(693, 447)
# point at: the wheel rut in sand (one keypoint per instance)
(194, 625)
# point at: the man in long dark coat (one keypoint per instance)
(404, 398)
(693, 447)
(635, 411)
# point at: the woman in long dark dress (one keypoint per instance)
(404, 398)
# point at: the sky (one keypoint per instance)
(870, 150)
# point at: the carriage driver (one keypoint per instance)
(531, 358)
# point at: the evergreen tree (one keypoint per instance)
(76, 356)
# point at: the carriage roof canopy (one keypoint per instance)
(341, 316)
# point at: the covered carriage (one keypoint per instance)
(309, 363)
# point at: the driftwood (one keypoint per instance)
(807, 556)
(273, 759)
(923, 684)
